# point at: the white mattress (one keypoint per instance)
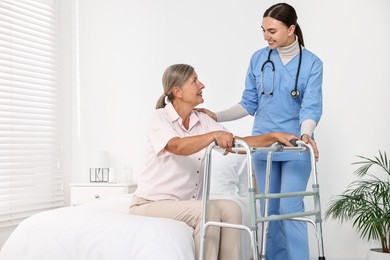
(99, 230)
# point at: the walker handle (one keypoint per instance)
(292, 141)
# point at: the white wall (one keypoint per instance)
(125, 45)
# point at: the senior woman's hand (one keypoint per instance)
(224, 139)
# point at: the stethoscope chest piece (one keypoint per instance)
(295, 93)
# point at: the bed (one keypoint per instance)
(98, 230)
(105, 230)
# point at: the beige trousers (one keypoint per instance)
(221, 243)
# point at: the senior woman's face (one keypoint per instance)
(192, 90)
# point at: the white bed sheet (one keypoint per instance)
(100, 230)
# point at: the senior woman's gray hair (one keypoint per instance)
(174, 76)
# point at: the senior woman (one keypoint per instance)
(171, 184)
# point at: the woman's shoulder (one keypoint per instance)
(158, 113)
(259, 52)
(158, 117)
(207, 121)
(203, 117)
(259, 55)
(311, 56)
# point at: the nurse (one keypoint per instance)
(283, 91)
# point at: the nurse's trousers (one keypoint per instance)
(286, 239)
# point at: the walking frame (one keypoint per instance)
(255, 214)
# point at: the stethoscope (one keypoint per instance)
(295, 92)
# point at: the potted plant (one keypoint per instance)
(367, 203)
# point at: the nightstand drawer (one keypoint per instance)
(82, 193)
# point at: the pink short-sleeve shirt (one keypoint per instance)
(169, 176)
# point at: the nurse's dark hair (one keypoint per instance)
(286, 14)
(174, 76)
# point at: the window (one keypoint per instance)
(31, 177)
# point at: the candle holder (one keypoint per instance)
(100, 170)
(99, 174)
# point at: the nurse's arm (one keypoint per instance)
(268, 139)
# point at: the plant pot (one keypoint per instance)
(377, 254)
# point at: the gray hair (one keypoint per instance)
(174, 76)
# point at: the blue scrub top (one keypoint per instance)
(280, 112)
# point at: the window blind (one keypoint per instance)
(31, 178)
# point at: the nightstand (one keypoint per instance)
(88, 192)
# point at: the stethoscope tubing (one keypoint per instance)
(295, 92)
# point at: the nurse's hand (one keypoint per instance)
(207, 112)
(307, 139)
(284, 138)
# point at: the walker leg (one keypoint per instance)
(320, 242)
(265, 224)
(255, 198)
(254, 243)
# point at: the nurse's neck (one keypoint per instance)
(288, 52)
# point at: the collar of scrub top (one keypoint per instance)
(295, 92)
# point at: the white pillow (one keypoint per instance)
(229, 180)
(228, 175)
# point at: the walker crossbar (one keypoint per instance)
(288, 216)
(242, 147)
(285, 195)
(228, 225)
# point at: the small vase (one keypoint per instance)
(377, 254)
